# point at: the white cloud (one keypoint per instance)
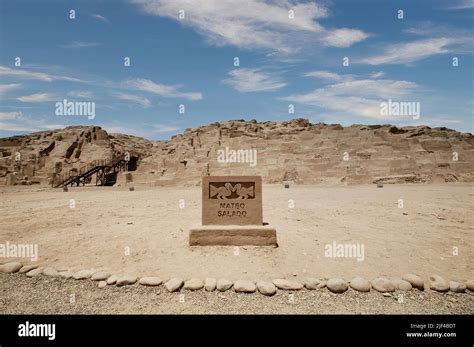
(344, 37)
(404, 53)
(28, 74)
(100, 18)
(253, 80)
(462, 5)
(161, 89)
(144, 102)
(162, 128)
(38, 97)
(327, 75)
(358, 97)
(79, 44)
(377, 74)
(17, 121)
(4, 88)
(29, 127)
(255, 23)
(10, 115)
(81, 94)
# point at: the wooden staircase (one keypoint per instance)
(103, 169)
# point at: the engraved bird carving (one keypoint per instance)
(222, 192)
(242, 192)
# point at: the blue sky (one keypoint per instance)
(290, 53)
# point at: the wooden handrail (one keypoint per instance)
(60, 179)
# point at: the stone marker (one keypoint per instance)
(232, 213)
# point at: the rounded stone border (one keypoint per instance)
(406, 283)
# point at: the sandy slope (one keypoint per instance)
(106, 220)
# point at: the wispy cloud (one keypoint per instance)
(100, 18)
(163, 128)
(258, 24)
(34, 75)
(163, 90)
(142, 101)
(79, 45)
(253, 80)
(38, 97)
(17, 121)
(10, 115)
(5, 88)
(377, 74)
(461, 5)
(327, 75)
(405, 53)
(81, 94)
(145, 131)
(357, 97)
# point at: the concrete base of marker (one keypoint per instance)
(233, 235)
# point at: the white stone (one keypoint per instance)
(66, 274)
(457, 287)
(174, 284)
(11, 267)
(244, 286)
(125, 280)
(401, 284)
(210, 284)
(337, 285)
(193, 284)
(415, 280)
(102, 284)
(266, 288)
(312, 283)
(383, 285)
(287, 284)
(470, 285)
(27, 268)
(34, 272)
(83, 274)
(112, 279)
(51, 272)
(100, 276)
(438, 283)
(224, 284)
(150, 281)
(360, 284)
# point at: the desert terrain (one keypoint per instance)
(418, 221)
(107, 223)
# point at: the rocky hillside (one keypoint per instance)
(37, 157)
(295, 150)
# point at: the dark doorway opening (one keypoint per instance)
(132, 164)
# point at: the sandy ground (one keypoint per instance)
(20, 294)
(108, 221)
